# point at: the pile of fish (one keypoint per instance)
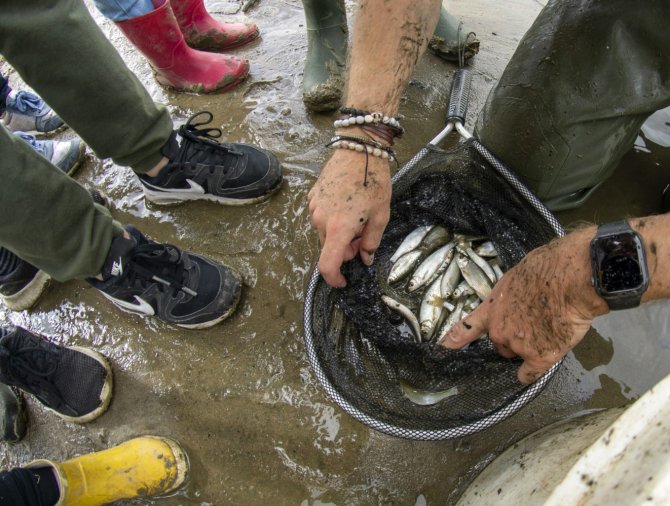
(453, 273)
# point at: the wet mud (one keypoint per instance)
(241, 397)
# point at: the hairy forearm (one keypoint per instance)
(388, 39)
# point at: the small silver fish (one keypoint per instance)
(453, 318)
(483, 265)
(450, 279)
(486, 249)
(425, 397)
(438, 236)
(499, 272)
(406, 313)
(462, 290)
(475, 277)
(431, 309)
(412, 241)
(470, 304)
(404, 265)
(432, 266)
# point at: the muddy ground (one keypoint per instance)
(241, 397)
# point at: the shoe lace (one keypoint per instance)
(159, 263)
(205, 137)
(34, 365)
(25, 102)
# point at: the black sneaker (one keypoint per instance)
(13, 419)
(202, 169)
(149, 278)
(21, 284)
(75, 383)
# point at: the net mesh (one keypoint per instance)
(365, 357)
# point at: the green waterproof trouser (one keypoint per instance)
(574, 95)
(48, 219)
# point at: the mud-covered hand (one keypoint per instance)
(540, 309)
(350, 210)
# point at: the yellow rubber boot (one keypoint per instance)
(142, 467)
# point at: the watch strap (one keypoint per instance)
(614, 227)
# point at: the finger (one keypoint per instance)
(372, 236)
(504, 350)
(467, 330)
(336, 250)
(531, 370)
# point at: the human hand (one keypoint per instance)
(540, 309)
(349, 216)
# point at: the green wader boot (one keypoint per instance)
(451, 37)
(572, 99)
(327, 35)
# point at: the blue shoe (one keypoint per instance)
(26, 112)
(66, 155)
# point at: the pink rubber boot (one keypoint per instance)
(202, 31)
(158, 37)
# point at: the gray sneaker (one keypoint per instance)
(26, 112)
(66, 155)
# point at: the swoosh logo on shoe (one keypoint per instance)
(117, 268)
(141, 307)
(194, 188)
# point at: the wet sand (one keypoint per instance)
(241, 397)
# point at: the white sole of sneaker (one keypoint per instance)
(211, 323)
(29, 295)
(172, 197)
(105, 393)
(142, 308)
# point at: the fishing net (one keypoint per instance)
(365, 357)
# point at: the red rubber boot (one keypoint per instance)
(158, 37)
(202, 31)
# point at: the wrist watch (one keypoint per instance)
(619, 266)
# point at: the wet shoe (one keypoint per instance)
(202, 169)
(66, 155)
(140, 468)
(148, 278)
(75, 383)
(13, 420)
(21, 284)
(202, 31)
(26, 112)
(452, 41)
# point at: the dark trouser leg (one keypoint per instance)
(28, 487)
(59, 50)
(571, 101)
(48, 219)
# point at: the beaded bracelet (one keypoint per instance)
(359, 117)
(359, 144)
(367, 146)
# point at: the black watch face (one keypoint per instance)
(618, 259)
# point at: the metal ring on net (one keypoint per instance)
(396, 430)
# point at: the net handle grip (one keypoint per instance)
(459, 96)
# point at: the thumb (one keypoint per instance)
(467, 330)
